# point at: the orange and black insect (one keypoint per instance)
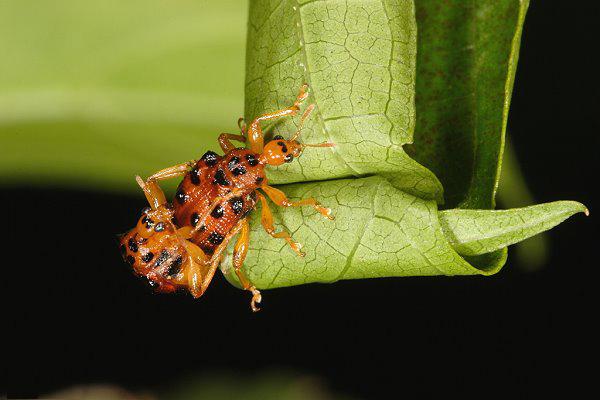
(212, 202)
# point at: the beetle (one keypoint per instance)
(217, 193)
(154, 247)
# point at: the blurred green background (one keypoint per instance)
(97, 79)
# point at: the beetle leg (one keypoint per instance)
(242, 126)
(267, 222)
(200, 269)
(225, 141)
(279, 198)
(239, 255)
(202, 272)
(305, 115)
(172, 172)
(255, 134)
(153, 192)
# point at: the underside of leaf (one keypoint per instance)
(467, 55)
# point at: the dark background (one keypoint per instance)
(76, 315)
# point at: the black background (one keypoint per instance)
(76, 314)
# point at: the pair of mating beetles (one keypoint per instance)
(180, 244)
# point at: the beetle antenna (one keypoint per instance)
(242, 125)
(324, 144)
(306, 114)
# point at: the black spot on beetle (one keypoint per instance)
(216, 238)
(288, 158)
(180, 196)
(259, 180)
(132, 245)
(194, 219)
(210, 158)
(208, 249)
(252, 160)
(194, 176)
(233, 162)
(202, 228)
(237, 205)
(130, 260)
(146, 210)
(148, 257)
(220, 178)
(162, 257)
(283, 146)
(175, 266)
(238, 171)
(277, 137)
(159, 227)
(217, 212)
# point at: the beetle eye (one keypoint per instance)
(277, 137)
(289, 158)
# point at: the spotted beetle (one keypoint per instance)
(212, 203)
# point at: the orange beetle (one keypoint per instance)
(218, 192)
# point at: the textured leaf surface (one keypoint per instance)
(466, 62)
(474, 232)
(92, 93)
(359, 58)
(378, 231)
(381, 231)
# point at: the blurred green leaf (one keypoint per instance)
(92, 93)
(264, 385)
(466, 61)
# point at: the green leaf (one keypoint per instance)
(92, 93)
(381, 231)
(383, 226)
(466, 61)
(359, 60)
(475, 232)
